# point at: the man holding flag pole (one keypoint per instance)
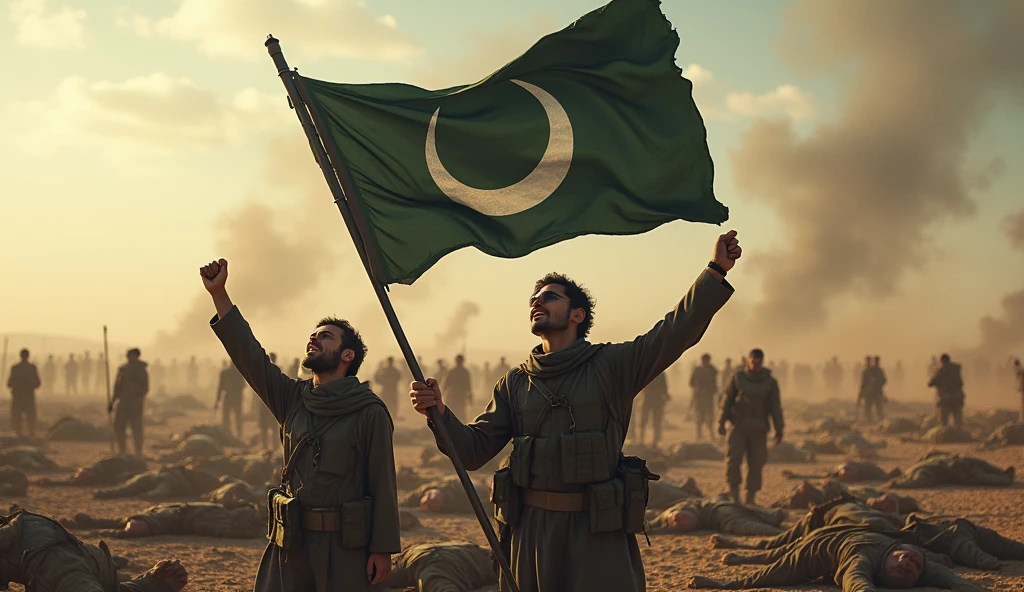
(593, 130)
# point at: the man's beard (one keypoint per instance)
(322, 362)
(550, 322)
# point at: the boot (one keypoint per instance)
(750, 498)
(734, 493)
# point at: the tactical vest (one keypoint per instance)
(753, 403)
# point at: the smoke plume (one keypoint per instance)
(857, 196)
(999, 336)
(273, 259)
(454, 335)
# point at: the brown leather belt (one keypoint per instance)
(557, 502)
(322, 520)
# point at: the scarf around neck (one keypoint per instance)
(340, 397)
(542, 365)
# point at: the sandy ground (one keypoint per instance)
(230, 565)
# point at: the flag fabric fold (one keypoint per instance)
(592, 131)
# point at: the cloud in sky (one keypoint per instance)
(314, 28)
(1014, 225)
(784, 100)
(157, 111)
(697, 74)
(36, 27)
(856, 197)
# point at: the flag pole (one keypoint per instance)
(329, 158)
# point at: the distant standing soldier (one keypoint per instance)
(751, 399)
(949, 387)
(49, 375)
(86, 373)
(266, 423)
(293, 372)
(101, 371)
(872, 395)
(193, 375)
(458, 387)
(1019, 372)
(704, 382)
(655, 398)
(130, 388)
(230, 387)
(23, 382)
(71, 375)
(386, 380)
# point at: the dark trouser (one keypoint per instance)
(23, 405)
(265, 421)
(873, 402)
(704, 414)
(754, 445)
(954, 409)
(128, 415)
(652, 412)
(232, 405)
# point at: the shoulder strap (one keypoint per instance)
(286, 471)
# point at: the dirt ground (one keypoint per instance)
(220, 565)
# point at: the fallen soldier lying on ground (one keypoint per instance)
(199, 519)
(879, 515)
(964, 542)
(162, 483)
(442, 567)
(856, 559)
(662, 494)
(806, 495)
(13, 482)
(940, 468)
(26, 458)
(106, 471)
(39, 553)
(443, 496)
(720, 516)
(850, 471)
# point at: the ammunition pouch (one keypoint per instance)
(506, 497)
(605, 505)
(584, 457)
(284, 526)
(520, 461)
(636, 477)
(356, 523)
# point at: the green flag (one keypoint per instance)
(592, 131)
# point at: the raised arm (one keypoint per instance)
(480, 441)
(634, 364)
(271, 385)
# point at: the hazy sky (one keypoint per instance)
(869, 153)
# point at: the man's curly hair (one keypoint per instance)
(579, 297)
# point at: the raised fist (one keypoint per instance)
(727, 250)
(215, 275)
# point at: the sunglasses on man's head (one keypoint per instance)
(545, 297)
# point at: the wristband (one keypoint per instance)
(716, 267)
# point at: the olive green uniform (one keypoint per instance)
(455, 500)
(442, 567)
(837, 512)
(106, 471)
(195, 518)
(653, 400)
(704, 382)
(555, 549)
(724, 516)
(964, 542)
(130, 388)
(41, 554)
(23, 382)
(13, 482)
(162, 483)
(751, 399)
(949, 387)
(354, 460)
(663, 495)
(872, 395)
(855, 471)
(952, 469)
(851, 556)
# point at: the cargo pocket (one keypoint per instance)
(606, 506)
(521, 460)
(506, 497)
(284, 525)
(584, 457)
(636, 477)
(356, 519)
